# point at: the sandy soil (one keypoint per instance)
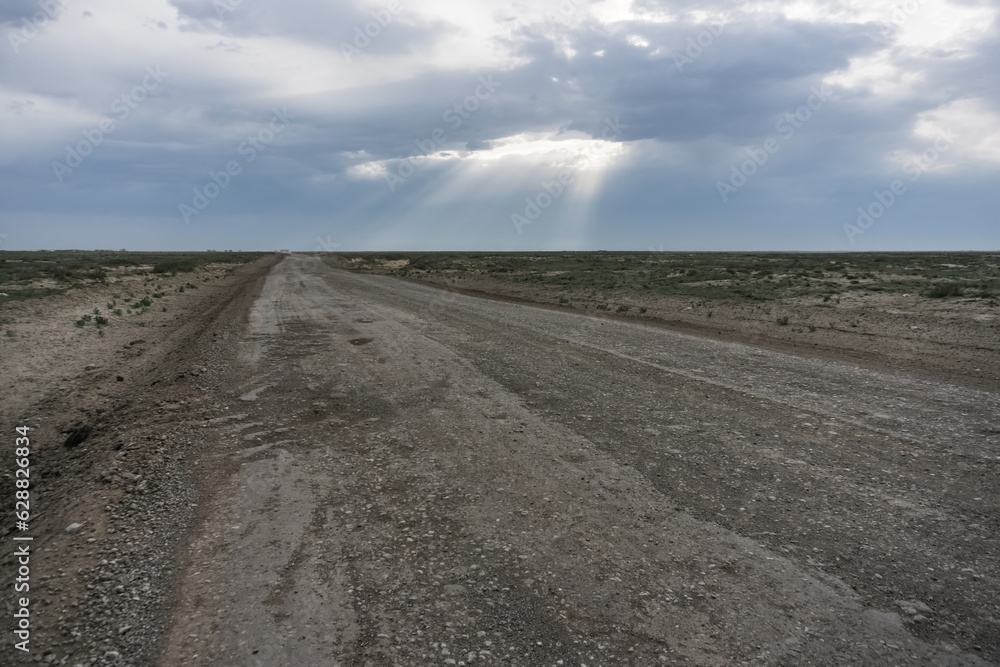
(353, 469)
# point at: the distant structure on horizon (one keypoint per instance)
(285, 251)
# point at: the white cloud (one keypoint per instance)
(913, 31)
(530, 150)
(976, 131)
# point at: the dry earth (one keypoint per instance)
(101, 592)
(320, 467)
(955, 337)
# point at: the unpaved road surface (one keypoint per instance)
(403, 476)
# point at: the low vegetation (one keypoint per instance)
(32, 274)
(745, 277)
(946, 289)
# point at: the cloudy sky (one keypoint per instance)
(426, 124)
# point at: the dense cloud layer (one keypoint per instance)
(259, 123)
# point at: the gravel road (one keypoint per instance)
(402, 475)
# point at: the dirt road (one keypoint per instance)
(401, 475)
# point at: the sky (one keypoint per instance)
(855, 125)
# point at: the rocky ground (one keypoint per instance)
(317, 467)
(109, 512)
(956, 336)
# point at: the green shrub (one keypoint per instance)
(174, 266)
(942, 290)
(62, 273)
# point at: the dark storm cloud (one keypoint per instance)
(734, 91)
(15, 11)
(686, 114)
(746, 73)
(339, 26)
